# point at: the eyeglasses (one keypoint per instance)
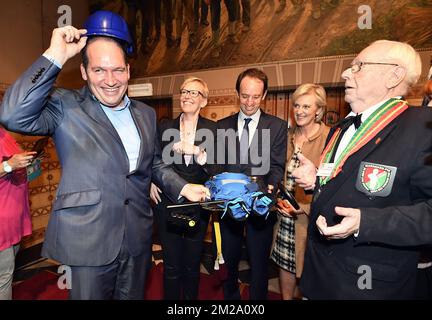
(192, 93)
(356, 67)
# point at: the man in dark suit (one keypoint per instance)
(380, 172)
(101, 223)
(254, 143)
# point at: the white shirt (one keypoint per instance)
(252, 124)
(351, 129)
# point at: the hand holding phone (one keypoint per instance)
(39, 146)
(286, 195)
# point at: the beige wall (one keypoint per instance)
(25, 31)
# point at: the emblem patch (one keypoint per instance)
(375, 179)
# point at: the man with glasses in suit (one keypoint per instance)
(372, 191)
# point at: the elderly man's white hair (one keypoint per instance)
(406, 56)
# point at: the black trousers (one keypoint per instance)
(259, 237)
(424, 284)
(245, 11)
(215, 11)
(200, 12)
(181, 249)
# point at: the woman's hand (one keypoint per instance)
(154, 193)
(21, 160)
(185, 148)
(286, 209)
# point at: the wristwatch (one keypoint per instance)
(6, 167)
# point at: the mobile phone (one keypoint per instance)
(39, 146)
(286, 195)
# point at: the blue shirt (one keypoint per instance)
(124, 124)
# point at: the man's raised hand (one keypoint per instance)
(305, 174)
(66, 42)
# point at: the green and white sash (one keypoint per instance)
(382, 117)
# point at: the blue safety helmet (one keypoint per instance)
(109, 24)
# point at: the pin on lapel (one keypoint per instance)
(377, 141)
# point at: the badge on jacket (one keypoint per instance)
(375, 179)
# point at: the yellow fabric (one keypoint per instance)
(218, 238)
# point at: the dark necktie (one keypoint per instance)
(344, 125)
(244, 142)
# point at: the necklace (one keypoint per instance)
(189, 133)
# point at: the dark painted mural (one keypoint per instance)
(181, 35)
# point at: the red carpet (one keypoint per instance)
(43, 286)
(209, 286)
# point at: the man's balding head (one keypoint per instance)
(383, 70)
(405, 55)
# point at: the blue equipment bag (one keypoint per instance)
(242, 195)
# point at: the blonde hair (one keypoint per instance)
(318, 92)
(200, 81)
(406, 56)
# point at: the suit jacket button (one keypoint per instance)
(126, 202)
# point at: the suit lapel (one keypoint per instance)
(140, 123)
(176, 125)
(94, 110)
(330, 135)
(200, 125)
(351, 166)
(234, 125)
